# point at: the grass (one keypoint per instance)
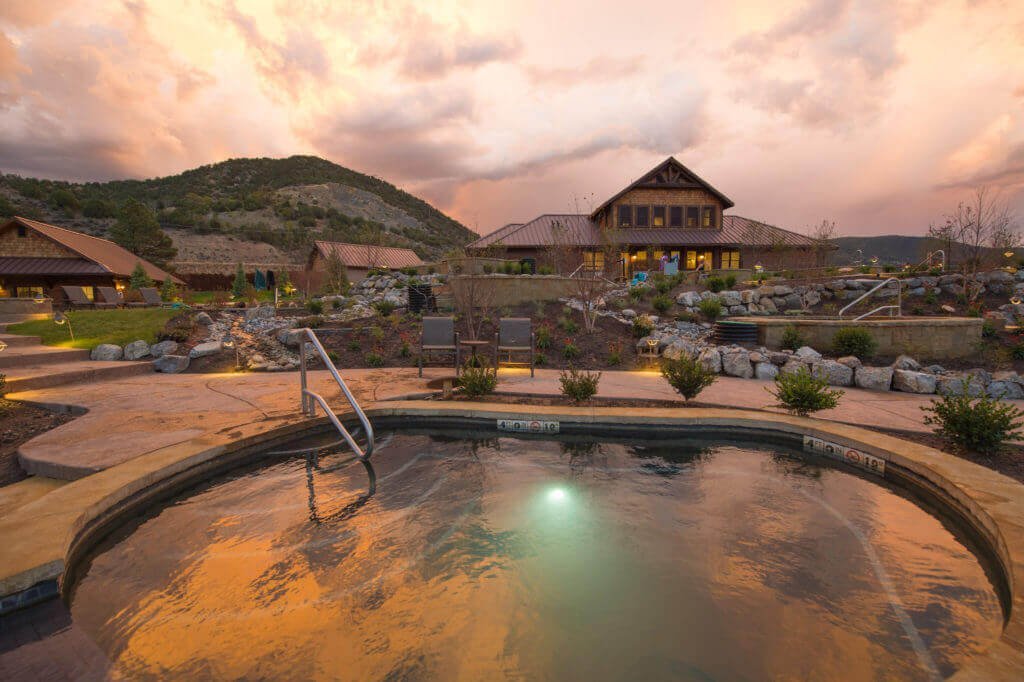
(93, 327)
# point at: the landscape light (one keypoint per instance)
(1008, 254)
(874, 260)
(61, 318)
(39, 298)
(1015, 300)
(3, 346)
(758, 267)
(557, 495)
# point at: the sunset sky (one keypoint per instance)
(880, 115)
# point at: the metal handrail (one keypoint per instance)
(899, 299)
(928, 259)
(309, 398)
(876, 310)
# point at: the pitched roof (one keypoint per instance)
(369, 255)
(18, 265)
(491, 238)
(582, 231)
(669, 174)
(114, 259)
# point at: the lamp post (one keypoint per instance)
(61, 318)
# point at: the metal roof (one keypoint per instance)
(688, 179)
(369, 255)
(16, 265)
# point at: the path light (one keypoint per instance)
(3, 346)
(1008, 254)
(229, 342)
(557, 495)
(39, 299)
(758, 268)
(874, 260)
(61, 318)
(1015, 300)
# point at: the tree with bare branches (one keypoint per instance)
(473, 296)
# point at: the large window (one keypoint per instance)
(675, 216)
(730, 260)
(625, 216)
(691, 260)
(28, 292)
(707, 216)
(593, 260)
(643, 216)
(658, 216)
(705, 260)
(692, 215)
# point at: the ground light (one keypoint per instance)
(557, 495)
(61, 318)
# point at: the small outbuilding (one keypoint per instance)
(358, 259)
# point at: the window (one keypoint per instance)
(593, 260)
(657, 256)
(708, 217)
(692, 213)
(643, 216)
(28, 292)
(691, 260)
(730, 260)
(625, 216)
(674, 255)
(706, 259)
(22, 232)
(675, 216)
(658, 216)
(640, 260)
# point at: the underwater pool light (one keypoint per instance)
(557, 495)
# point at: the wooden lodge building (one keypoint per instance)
(670, 212)
(36, 259)
(359, 260)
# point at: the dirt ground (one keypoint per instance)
(19, 423)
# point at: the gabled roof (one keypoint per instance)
(369, 255)
(114, 259)
(669, 174)
(581, 230)
(495, 236)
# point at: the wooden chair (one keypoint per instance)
(76, 297)
(111, 299)
(515, 335)
(151, 297)
(439, 335)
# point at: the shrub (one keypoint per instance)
(377, 333)
(539, 359)
(687, 375)
(545, 270)
(336, 303)
(333, 356)
(568, 325)
(974, 310)
(579, 386)
(730, 281)
(687, 316)
(543, 338)
(405, 351)
(384, 308)
(792, 339)
(1017, 351)
(315, 307)
(642, 326)
(526, 268)
(988, 330)
(478, 381)
(802, 393)
(855, 341)
(311, 321)
(711, 308)
(488, 269)
(514, 269)
(715, 284)
(374, 360)
(981, 425)
(354, 345)
(865, 269)
(661, 303)
(614, 353)
(931, 298)
(571, 351)
(663, 286)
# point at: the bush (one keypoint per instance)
(1017, 351)
(312, 321)
(579, 386)
(526, 269)
(988, 330)
(374, 360)
(543, 338)
(332, 356)
(488, 269)
(315, 307)
(802, 393)
(571, 351)
(377, 333)
(687, 375)
(642, 326)
(663, 286)
(711, 308)
(931, 298)
(981, 425)
(539, 359)
(730, 281)
(792, 339)
(614, 353)
(661, 303)
(855, 341)
(384, 308)
(354, 345)
(405, 351)
(545, 270)
(568, 325)
(715, 284)
(478, 381)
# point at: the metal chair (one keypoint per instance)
(111, 299)
(515, 335)
(439, 335)
(76, 297)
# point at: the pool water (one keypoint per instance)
(481, 558)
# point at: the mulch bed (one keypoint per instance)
(19, 423)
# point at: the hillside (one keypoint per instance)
(270, 208)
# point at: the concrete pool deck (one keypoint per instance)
(139, 432)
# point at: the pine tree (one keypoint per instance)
(138, 231)
(139, 278)
(168, 291)
(240, 284)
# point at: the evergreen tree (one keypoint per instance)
(240, 284)
(259, 280)
(138, 231)
(168, 291)
(139, 278)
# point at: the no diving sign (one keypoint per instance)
(527, 426)
(851, 456)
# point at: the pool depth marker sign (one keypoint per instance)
(851, 456)
(527, 426)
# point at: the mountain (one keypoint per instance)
(260, 210)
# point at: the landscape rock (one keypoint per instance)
(811, 298)
(851, 361)
(807, 353)
(171, 364)
(688, 298)
(730, 298)
(873, 378)
(793, 301)
(290, 337)
(677, 348)
(204, 319)
(107, 351)
(954, 385)
(136, 350)
(909, 381)
(161, 348)
(736, 363)
(766, 371)
(906, 362)
(1005, 390)
(779, 358)
(262, 312)
(203, 349)
(794, 366)
(833, 372)
(711, 359)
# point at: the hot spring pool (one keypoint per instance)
(482, 558)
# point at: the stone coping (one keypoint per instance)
(904, 321)
(42, 538)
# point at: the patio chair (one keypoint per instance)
(76, 297)
(439, 335)
(515, 335)
(111, 299)
(151, 296)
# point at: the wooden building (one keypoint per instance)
(358, 259)
(669, 213)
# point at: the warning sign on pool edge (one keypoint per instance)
(527, 426)
(851, 456)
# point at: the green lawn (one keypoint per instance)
(93, 327)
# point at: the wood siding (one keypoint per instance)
(661, 197)
(32, 245)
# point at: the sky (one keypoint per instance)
(880, 115)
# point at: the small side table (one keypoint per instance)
(473, 345)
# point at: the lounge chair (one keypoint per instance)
(111, 299)
(76, 297)
(151, 296)
(515, 335)
(439, 335)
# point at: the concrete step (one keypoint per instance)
(16, 340)
(45, 376)
(30, 356)
(15, 319)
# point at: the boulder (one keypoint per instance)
(811, 298)
(768, 305)
(290, 337)
(910, 381)
(750, 296)
(677, 348)
(793, 301)
(107, 351)
(736, 363)
(794, 366)
(738, 310)
(204, 319)
(906, 362)
(136, 350)
(163, 348)
(203, 349)
(171, 364)
(873, 378)
(807, 353)
(688, 299)
(766, 371)
(781, 290)
(711, 359)
(835, 285)
(261, 313)
(629, 313)
(916, 291)
(954, 385)
(1000, 276)
(833, 372)
(1005, 390)
(730, 298)
(850, 361)
(779, 358)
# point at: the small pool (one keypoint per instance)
(458, 556)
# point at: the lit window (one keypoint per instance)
(642, 216)
(692, 213)
(730, 260)
(657, 255)
(28, 292)
(593, 260)
(640, 259)
(625, 216)
(658, 216)
(675, 216)
(691, 260)
(707, 259)
(708, 217)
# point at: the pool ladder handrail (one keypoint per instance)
(899, 301)
(310, 398)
